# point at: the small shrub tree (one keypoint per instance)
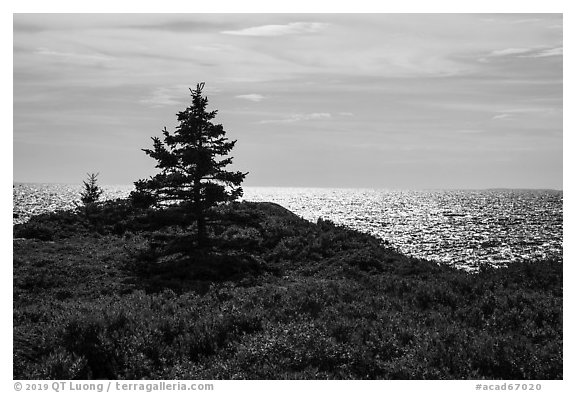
(192, 164)
(92, 191)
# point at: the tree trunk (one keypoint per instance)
(201, 238)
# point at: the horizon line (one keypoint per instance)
(342, 187)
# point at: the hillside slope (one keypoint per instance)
(112, 292)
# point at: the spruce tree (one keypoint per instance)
(192, 163)
(92, 191)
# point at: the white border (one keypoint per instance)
(304, 6)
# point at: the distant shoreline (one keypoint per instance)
(334, 188)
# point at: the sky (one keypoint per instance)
(397, 101)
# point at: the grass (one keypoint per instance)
(120, 293)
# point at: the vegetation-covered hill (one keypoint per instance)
(114, 292)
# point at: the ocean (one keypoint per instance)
(462, 228)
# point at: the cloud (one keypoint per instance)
(530, 20)
(251, 97)
(317, 116)
(188, 25)
(72, 56)
(160, 97)
(279, 30)
(299, 117)
(509, 51)
(470, 131)
(26, 27)
(512, 22)
(502, 116)
(547, 53)
(524, 53)
(175, 95)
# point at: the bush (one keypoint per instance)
(34, 230)
(274, 297)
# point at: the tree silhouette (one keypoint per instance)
(191, 163)
(92, 191)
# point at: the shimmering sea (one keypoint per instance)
(463, 228)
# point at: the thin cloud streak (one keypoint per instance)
(528, 20)
(527, 52)
(279, 30)
(547, 53)
(72, 56)
(509, 51)
(251, 97)
(298, 117)
(501, 116)
(159, 98)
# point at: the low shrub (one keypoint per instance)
(273, 297)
